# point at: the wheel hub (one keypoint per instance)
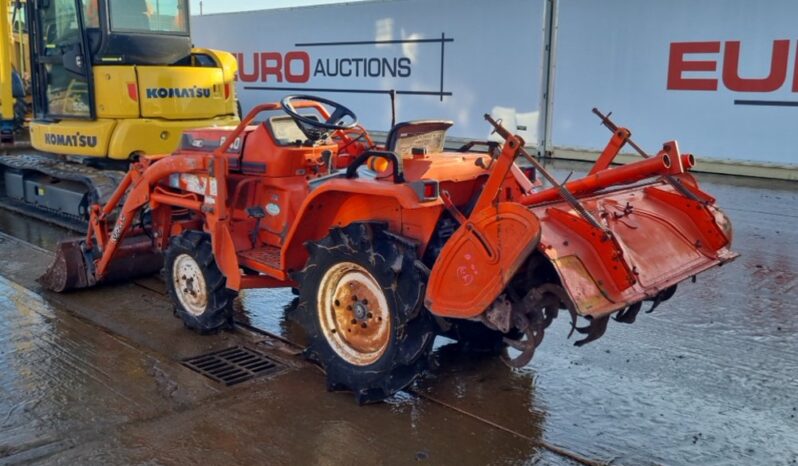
(189, 284)
(361, 311)
(354, 314)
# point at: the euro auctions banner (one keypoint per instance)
(447, 59)
(721, 76)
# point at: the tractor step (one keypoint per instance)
(265, 260)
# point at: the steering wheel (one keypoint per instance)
(315, 129)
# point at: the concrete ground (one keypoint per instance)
(94, 377)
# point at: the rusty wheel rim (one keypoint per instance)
(354, 314)
(189, 284)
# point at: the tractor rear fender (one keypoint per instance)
(477, 263)
(340, 202)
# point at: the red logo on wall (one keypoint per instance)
(293, 67)
(680, 62)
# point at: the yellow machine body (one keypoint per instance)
(6, 45)
(13, 55)
(144, 109)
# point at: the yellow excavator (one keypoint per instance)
(15, 98)
(108, 80)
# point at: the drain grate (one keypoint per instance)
(233, 365)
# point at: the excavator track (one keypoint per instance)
(52, 189)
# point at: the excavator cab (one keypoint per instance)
(73, 36)
(110, 80)
(101, 67)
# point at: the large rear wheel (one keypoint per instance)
(361, 306)
(196, 285)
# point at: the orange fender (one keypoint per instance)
(480, 258)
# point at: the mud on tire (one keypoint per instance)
(360, 303)
(196, 285)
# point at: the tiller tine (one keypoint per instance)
(594, 331)
(629, 314)
(527, 349)
(74, 268)
(68, 271)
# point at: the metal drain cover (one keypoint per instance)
(233, 365)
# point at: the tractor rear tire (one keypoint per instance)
(360, 303)
(196, 285)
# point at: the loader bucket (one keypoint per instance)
(68, 269)
(73, 267)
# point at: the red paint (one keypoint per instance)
(133, 91)
(271, 64)
(795, 73)
(242, 69)
(291, 59)
(274, 67)
(774, 80)
(677, 65)
(680, 63)
(429, 191)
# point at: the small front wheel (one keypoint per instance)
(196, 285)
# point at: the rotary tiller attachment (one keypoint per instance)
(74, 266)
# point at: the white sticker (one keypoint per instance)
(272, 209)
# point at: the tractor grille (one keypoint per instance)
(233, 365)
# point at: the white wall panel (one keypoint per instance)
(449, 59)
(615, 54)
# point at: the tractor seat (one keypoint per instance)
(426, 135)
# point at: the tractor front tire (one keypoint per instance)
(196, 285)
(360, 302)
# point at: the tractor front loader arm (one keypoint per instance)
(109, 254)
(123, 252)
(139, 189)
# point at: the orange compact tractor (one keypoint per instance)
(392, 245)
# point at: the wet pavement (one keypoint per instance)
(708, 378)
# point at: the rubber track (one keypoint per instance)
(100, 183)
